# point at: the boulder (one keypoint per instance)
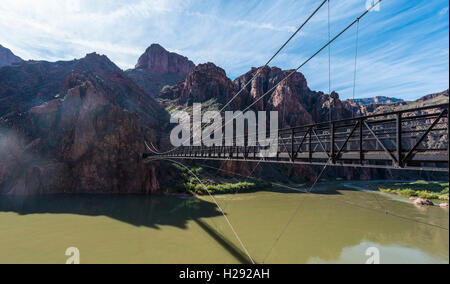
(443, 205)
(422, 201)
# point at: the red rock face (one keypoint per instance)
(7, 57)
(157, 60)
(286, 98)
(295, 102)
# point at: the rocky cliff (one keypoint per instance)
(296, 103)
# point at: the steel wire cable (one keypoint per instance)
(356, 61)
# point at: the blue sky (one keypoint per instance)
(403, 47)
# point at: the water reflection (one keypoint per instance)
(393, 254)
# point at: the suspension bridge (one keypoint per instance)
(411, 139)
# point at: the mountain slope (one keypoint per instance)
(377, 100)
(431, 99)
(7, 57)
(31, 83)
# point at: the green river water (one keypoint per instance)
(336, 226)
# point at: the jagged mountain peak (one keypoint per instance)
(158, 67)
(157, 60)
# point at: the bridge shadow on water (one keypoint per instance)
(147, 211)
(137, 210)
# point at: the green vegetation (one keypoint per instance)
(213, 184)
(437, 191)
(238, 187)
(174, 105)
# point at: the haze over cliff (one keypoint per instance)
(75, 127)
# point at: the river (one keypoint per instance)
(338, 225)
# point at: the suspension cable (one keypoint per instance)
(356, 61)
(329, 64)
